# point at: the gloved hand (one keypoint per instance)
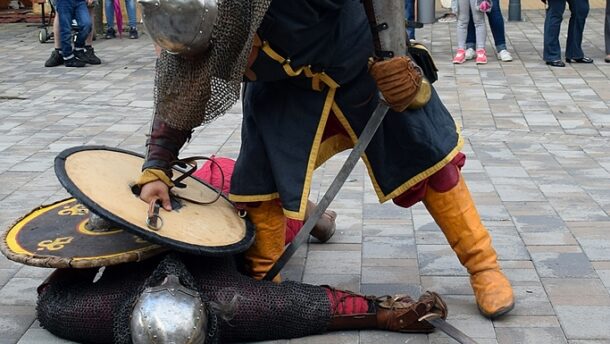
(398, 79)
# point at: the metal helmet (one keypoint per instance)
(180, 26)
(169, 314)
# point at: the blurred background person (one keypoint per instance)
(56, 58)
(130, 5)
(496, 24)
(552, 25)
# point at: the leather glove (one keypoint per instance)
(398, 79)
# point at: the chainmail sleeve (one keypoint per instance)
(182, 91)
(193, 91)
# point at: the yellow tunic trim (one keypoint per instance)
(409, 183)
(318, 82)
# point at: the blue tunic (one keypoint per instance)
(312, 96)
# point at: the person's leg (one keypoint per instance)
(64, 14)
(89, 40)
(579, 11)
(130, 5)
(481, 32)
(109, 9)
(471, 36)
(479, 25)
(89, 54)
(56, 32)
(270, 223)
(552, 26)
(607, 32)
(56, 58)
(81, 13)
(496, 24)
(463, 19)
(410, 15)
(131, 13)
(455, 213)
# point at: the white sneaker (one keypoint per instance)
(505, 56)
(470, 54)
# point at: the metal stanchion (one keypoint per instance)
(514, 10)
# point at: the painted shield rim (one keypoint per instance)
(72, 188)
(51, 261)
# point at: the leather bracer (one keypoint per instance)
(399, 313)
(163, 146)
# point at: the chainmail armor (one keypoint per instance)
(193, 91)
(241, 309)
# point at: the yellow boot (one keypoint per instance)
(270, 223)
(455, 213)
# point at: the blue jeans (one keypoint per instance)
(131, 12)
(410, 15)
(66, 11)
(552, 25)
(496, 24)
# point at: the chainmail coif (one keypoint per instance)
(194, 91)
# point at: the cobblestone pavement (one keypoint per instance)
(537, 142)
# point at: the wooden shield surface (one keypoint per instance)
(57, 236)
(102, 179)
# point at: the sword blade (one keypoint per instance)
(451, 331)
(363, 141)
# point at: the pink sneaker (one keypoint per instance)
(481, 57)
(460, 56)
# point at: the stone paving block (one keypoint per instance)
(340, 281)
(584, 322)
(344, 262)
(20, 292)
(394, 271)
(531, 223)
(603, 270)
(388, 247)
(439, 260)
(14, 321)
(561, 262)
(39, 336)
(447, 285)
(524, 321)
(376, 337)
(379, 289)
(344, 337)
(576, 292)
(550, 238)
(539, 335)
(519, 193)
(570, 210)
(531, 300)
(593, 238)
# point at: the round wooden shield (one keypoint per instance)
(57, 236)
(102, 179)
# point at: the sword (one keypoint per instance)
(451, 331)
(333, 189)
